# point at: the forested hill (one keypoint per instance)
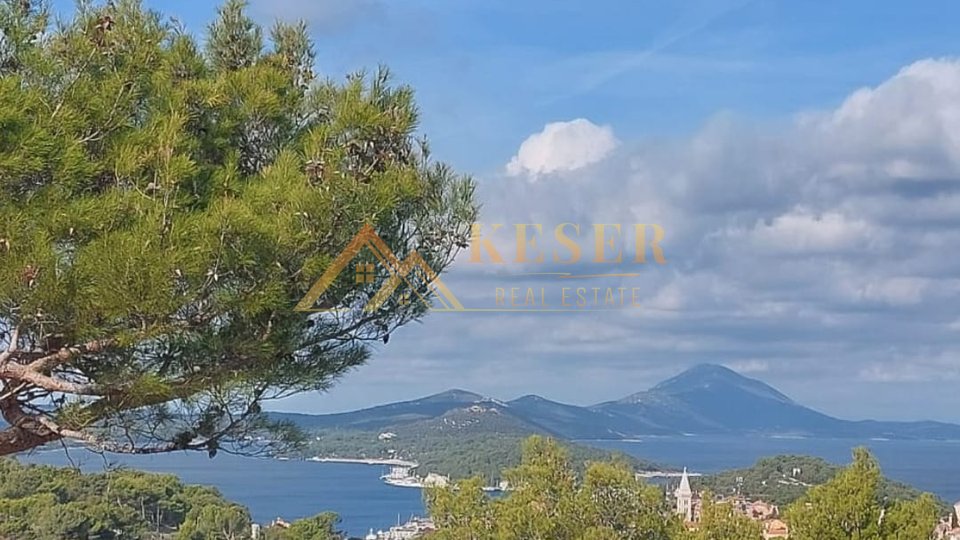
(706, 399)
(480, 440)
(40, 502)
(784, 479)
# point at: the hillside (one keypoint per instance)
(784, 479)
(706, 399)
(385, 415)
(479, 440)
(568, 421)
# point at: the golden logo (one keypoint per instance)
(399, 272)
(606, 245)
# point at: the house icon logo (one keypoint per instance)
(437, 296)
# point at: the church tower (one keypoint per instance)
(684, 496)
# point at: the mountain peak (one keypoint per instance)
(454, 395)
(718, 378)
(530, 398)
(703, 372)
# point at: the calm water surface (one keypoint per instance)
(932, 466)
(296, 489)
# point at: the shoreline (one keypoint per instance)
(362, 461)
(665, 474)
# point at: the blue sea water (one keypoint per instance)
(273, 488)
(932, 466)
(296, 489)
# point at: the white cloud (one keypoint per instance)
(934, 366)
(820, 246)
(563, 146)
(801, 231)
(749, 366)
(894, 291)
(906, 127)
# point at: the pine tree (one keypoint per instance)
(844, 508)
(850, 507)
(164, 206)
(719, 521)
(547, 501)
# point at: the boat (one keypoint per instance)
(401, 476)
(416, 527)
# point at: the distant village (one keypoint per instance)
(687, 503)
(416, 527)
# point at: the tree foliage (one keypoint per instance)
(216, 522)
(851, 507)
(48, 503)
(319, 527)
(548, 502)
(719, 521)
(164, 206)
(452, 453)
(785, 478)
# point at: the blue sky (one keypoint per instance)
(801, 155)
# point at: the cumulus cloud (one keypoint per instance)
(816, 251)
(906, 127)
(563, 146)
(822, 242)
(803, 232)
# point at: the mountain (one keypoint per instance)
(481, 439)
(384, 416)
(569, 421)
(710, 399)
(479, 418)
(714, 399)
(706, 399)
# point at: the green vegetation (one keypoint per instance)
(851, 506)
(718, 521)
(784, 479)
(319, 527)
(549, 502)
(457, 455)
(164, 206)
(49, 503)
(227, 522)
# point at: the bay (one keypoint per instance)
(297, 489)
(272, 488)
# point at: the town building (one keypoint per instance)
(685, 499)
(775, 528)
(688, 504)
(949, 527)
(411, 530)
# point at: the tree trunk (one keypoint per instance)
(24, 431)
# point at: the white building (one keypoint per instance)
(684, 497)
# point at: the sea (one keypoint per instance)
(292, 489)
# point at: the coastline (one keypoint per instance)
(362, 461)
